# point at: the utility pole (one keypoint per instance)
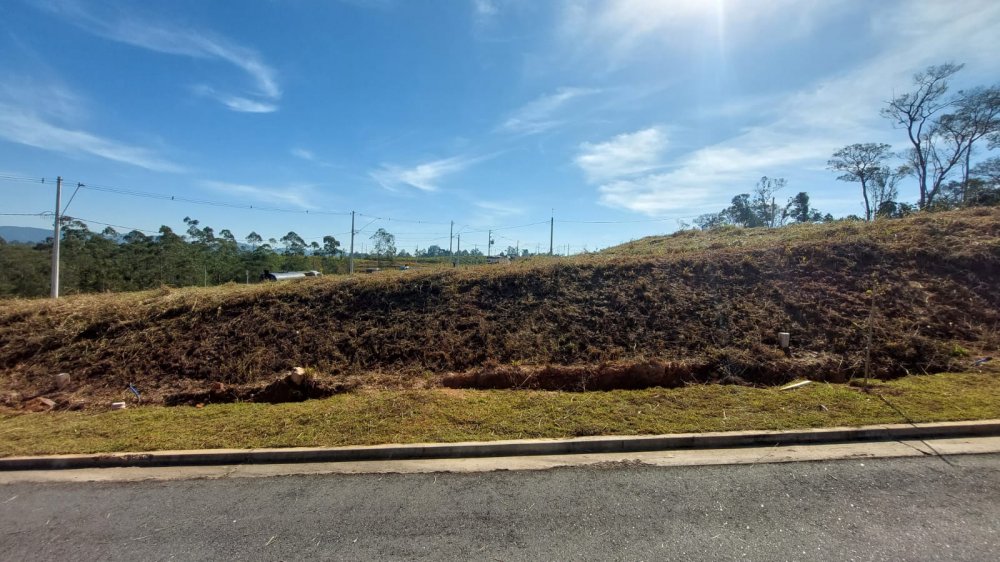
(451, 236)
(55, 242)
(552, 230)
(350, 261)
(458, 258)
(489, 245)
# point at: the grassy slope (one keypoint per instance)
(706, 305)
(459, 415)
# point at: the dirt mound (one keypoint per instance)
(690, 307)
(285, 389)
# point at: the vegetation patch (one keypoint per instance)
(442, 415)
(890, 298)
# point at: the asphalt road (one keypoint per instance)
(875, 509)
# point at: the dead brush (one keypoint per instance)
(694, 300)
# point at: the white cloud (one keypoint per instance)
(425, 176)
(297, 195)
(163, 38)
(46, 115)
(485, 8)
(500, 209)
(236, 103)
(623, 155)
(538, 115)
(807, 125)
(33, 130)
(303, 154)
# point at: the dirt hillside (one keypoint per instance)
(695, 306)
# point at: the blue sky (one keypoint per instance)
(485, 112)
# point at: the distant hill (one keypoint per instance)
(25, 234)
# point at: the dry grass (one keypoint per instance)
(460, 415)
(711, 301)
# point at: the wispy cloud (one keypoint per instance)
(303, 153)
(236, 103)
(500, 209)
(296, 195)
(540, 114)
(164, 38)
(485, 8)
(425, 177)
(33, 130)
(623, 155)
(47, 116)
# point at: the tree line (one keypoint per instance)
(111, 261)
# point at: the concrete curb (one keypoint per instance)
(626, 444)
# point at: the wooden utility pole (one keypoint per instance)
(552, 230)
(350, 260)
(55, 241)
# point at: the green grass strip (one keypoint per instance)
(367, 418)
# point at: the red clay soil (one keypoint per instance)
(700, 308)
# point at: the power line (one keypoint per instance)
(22, 179)
(207, 202)
(494, 229)
(627, 222)
(129, 228)
(400, 220)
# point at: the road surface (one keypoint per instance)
(872, 509)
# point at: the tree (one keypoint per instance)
(709, 221)
(883, 188)
(253, 239)
(201, 235)
(384, 245)
(741, 213)
(799, 210)
(435, 251)
(988, 171)
(915, 111)
(330, 245)
(135, 237)
(984, 186)
(862, 163)
(294, 244)
(977, 115)
(763, 205)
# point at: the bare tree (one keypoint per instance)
(977, 115)
(884, 189)
(763, 205)
(988, 171)
(915, 112)
(862, 163)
